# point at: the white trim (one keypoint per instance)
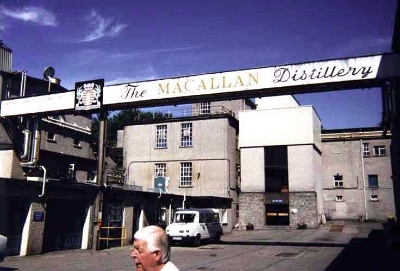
(25, 234)
(86, 230)
(68, 125)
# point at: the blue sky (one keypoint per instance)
(130, 41)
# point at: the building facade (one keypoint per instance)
(197, 154)
(280, 167)
(47, 167)
(356, 174)
(294, 174)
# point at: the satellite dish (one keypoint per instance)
(48, 73)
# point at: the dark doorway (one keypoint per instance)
(112, 232)
(64, 224)
(15, 218)
(276, 185)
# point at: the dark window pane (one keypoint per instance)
(373, 180)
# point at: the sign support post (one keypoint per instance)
(98, 203)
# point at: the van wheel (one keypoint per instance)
(197, 240)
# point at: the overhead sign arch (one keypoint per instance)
(356, 72)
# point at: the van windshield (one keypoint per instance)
(185, 217)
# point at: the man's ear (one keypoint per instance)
(157, 256)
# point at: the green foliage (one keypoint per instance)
(124, 117)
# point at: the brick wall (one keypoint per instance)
(306, 205)
(252, 210)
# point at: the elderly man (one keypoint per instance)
(151, 250)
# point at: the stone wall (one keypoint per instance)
(32, 236)
(303, 209)
(128, 224)
(252, 210)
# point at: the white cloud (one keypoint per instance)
(31, 14)
(103, 27)
(146, 74)
(88, 56)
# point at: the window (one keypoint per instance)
(186, 135)
(186, 174)
(160, 170)
(71, 171)
(161, 136)
(209, 218)
(338, 180)
(373, 180)
(91, 176)
(205, 108)
(379, 151)
(366, 151)
(51, 136)
(77, 142)
(275, 168)
(339, 198)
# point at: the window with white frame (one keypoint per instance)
(186, 135)
(366, 150)
(77, 142)
(379, 150)
(51, 136)
(160, 170)
(205, 108)
(338, 180)
(161, 136)
(186, 174)
(339, 198)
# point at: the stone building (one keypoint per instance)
(197, 154)
(46, 170)
(280, 149)
(292, 173)
(357, 175)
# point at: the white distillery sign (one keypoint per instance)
(352, 69)
(263, 79)
(38, 104)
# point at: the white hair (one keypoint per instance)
(156, 239)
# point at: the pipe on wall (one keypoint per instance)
(27, 142)
(44, 181)
(363, 174)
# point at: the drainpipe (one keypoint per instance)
(363, 175)
(35, 149)
(36, 141)
(27, 141)
(22, 89)
(127, 174)
(44, 181)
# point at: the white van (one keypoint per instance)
(194, 225)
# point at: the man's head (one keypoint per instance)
(150, 248)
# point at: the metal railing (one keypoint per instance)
(113, 231)
(115, 176)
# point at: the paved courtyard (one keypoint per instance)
(337, 245)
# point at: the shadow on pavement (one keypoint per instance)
(380, 251)
(7, 269)
(282, 244)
